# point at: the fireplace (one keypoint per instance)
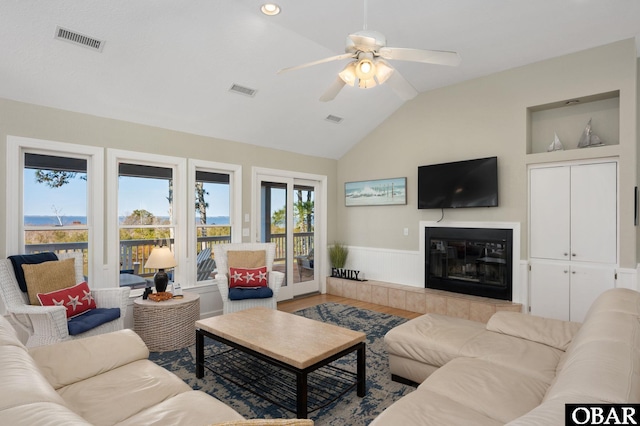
(476, 261)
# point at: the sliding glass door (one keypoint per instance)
(288, 219)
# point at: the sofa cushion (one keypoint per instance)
(132, 388)
(72, 361)
(493, 390)
(435, 340)
(432, 339)
(46, 277)
(22, 382)
(188, 408)
(425, 407)
(550, 412)
(76, 299)
(91, 319)
(28, 259)
(41, 414)
(551, 332)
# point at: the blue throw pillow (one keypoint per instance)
(240, 293)
(91, 319)
(29, 259)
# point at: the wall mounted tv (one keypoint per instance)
(470, 183)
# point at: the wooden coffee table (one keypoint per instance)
(293, 343)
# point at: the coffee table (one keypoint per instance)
(290, 342)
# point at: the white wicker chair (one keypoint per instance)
(48, 324)
(275, 278)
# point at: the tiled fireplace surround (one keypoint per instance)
(426, 300)
(421, 300)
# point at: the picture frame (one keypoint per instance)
(378, 192)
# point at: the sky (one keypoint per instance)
(134, 193)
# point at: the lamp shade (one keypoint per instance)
(366, 73)
(160, 258)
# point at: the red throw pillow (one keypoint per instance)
(76, 299)
(248, 277)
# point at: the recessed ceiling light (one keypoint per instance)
(270, 9)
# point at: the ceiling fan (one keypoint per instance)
(369, 67)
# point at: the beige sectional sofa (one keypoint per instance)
(517, 369)
(99, 380)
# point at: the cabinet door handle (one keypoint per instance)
(573, 272)
(566, 254)
(566, 272)
(573, 254)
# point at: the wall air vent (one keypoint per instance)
(236, 88)
(79, 39)
(334, 119)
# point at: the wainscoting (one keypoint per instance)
(407, 268)
(421, 300)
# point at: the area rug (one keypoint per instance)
(348, 410)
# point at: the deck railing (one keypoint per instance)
(302, 244)
(134, 252)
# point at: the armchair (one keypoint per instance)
(305, 263)
(222, 280)
(48, 324)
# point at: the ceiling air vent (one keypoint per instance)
(79, 39)
(334, 119)
(236, 88)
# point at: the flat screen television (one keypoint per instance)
(470, 183)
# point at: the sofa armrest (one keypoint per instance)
(72, 361)
(551, 332)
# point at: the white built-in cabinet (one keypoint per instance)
(573, 236)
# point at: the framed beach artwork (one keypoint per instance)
(380, 192)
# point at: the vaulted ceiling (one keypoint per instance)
(171, 63)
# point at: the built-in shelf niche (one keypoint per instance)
(568, 119)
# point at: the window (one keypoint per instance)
(146, 206)
(57, 202)
(216, 194)
(145, 214)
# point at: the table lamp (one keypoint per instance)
(160, 258)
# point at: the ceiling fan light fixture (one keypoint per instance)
(383, 71)
(365, 69)
(270, 9)
(348, 74)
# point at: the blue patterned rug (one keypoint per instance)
(347, 410)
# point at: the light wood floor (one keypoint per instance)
(307, 301)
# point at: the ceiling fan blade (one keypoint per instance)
(439, 57)
(401, 86)
(321, 61)
(333, 90)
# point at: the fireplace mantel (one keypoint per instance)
(517, 297)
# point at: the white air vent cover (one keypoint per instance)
(334, 118)
(79, 39)
(236, 88)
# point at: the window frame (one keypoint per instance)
(17, 146)
(235, 209)
(179, 167)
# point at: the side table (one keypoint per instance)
(167, 325)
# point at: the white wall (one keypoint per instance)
(482, 118)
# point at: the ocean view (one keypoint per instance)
(35, 220)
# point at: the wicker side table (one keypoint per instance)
(167, 325)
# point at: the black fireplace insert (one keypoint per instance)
(476, 261)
